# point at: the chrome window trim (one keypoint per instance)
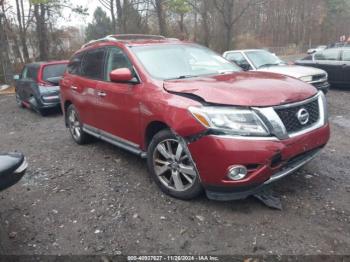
(309, 100)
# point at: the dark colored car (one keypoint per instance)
(201, 122)
(12, 168)
(335, 61)
(38, 85)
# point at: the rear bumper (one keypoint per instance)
(267, 161)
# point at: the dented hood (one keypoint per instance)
(244, 89)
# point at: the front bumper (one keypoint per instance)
(323, 86)
(267, 161)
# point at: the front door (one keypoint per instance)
(346, 67)
(118, 103)
(329, 60)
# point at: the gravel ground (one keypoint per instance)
(99, 199)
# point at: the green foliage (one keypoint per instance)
(100, 26)
(180, 7)
(337, 7)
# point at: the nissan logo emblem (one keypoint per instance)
(303, 116)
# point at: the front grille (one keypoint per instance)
(290, 120)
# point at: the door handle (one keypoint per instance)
(74, 88)
(101, 94)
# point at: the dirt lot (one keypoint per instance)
(99, 199)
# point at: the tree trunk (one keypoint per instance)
(5, 62)
(114, 23)
(22, 31)
(159, 4)
(41, 30)
(120, 17)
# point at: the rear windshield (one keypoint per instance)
(53, 71)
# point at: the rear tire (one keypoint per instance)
(76, 127)
(171, 166)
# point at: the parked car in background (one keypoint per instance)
(12, 168)
(335, 61)
(37, 87)
(199, 120)
(264, 61)
(317, 49)
(338, 45)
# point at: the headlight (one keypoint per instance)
(306, 78)
(233, 121)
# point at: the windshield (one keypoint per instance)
(263, 58)
(53, 71)
(182, 61)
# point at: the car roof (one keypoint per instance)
(246, 50)
(41, 63)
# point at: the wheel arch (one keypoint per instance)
(152, 129)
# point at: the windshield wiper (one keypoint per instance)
(266, 65)
(182, 77)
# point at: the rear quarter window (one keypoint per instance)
(53, 71)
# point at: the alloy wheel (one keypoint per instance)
(173, 166)
(74, 125)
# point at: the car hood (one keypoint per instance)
(293, 70)
(244, 89)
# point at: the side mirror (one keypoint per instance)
(121, 75)
(16, 77)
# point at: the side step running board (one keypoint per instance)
(116, 141)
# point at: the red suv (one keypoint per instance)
(199, 120)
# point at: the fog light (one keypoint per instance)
(237, 172)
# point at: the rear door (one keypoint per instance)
(346, 67)
(83, 87)
(118, 104)
(329, 60)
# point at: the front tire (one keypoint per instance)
(19, 101)
(171, 166)
(76, 127)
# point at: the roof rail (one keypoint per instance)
(124, 37)
(138, 37)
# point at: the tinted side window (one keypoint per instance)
(25, 73)
(330, 54)
(346, 55)
(117, 59)
(30, 72)
(93, 64)
(74, 66)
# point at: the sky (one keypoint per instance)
(71, 19)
